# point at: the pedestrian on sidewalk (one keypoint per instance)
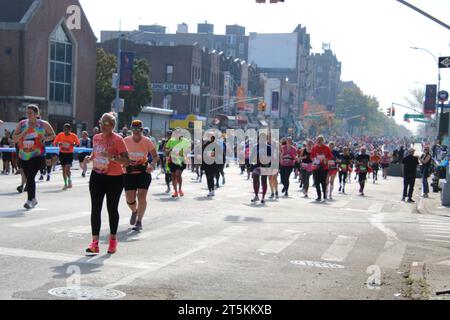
(410, 163)
(425, 169)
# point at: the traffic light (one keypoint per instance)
(393, 111)
(262, 106)
(389, 112)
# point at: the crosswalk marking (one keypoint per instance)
(75, 259)
(392, 255)
(172, 228)
(339, 204)
(340, 249)
(202, 244)
(285, 239)
(435, 240)
(436, 236)
(376, 207)
(50, 220)
(86, 229)
(435, 224)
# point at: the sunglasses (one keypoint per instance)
(105, 123)
(137, 129)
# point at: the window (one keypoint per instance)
(231, 39)
(169, 73)
(167, 101)
(61, 63)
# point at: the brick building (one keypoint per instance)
(47, 57)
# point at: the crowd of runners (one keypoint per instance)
(126, 161)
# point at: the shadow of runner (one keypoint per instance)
(84, 263)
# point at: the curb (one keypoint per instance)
(420, 206)
(417, 281)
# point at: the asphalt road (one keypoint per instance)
(222, 248)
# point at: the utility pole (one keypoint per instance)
(429, 16)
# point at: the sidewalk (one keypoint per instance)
(436, 274)
(432, 205)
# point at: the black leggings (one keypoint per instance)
(320, 179)
(99, 186)
(342, 178)
(362, 180)
(30, 169)
(305, 178)
(211, 173)
(285, 173)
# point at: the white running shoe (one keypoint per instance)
(34, 202)
(28, 205)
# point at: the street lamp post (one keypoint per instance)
(438, 116)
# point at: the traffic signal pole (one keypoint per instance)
(429, 16)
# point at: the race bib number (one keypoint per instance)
(332, 164)
(101, 164)
(31, 136)
(362, 168)
(28, 144)
(321, 157)
(65, 146)
(344, 166)
(136, 156)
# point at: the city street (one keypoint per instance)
(224, 248)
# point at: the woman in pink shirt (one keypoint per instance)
(108, 155)
(288, 155)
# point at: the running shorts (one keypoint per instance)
(137, 181)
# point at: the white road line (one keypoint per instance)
(169, 229)
(43, 221)
(435, 224)
(86, 229)
(70, 258)
(201, 244)
(394, 248)
(434, 240)
(339, 204)
(436, 236)
(285, 239)
(435, 228)
(376, 207)
(340, 249)
(437, 231)
(392, 255)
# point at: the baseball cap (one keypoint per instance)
(137, 124)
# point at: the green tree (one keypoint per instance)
(105, 94)
(359, 114)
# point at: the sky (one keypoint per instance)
(372, 38)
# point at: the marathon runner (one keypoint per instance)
(287, 161)
(344, 163)
(108, 155)
(66, 141)
(385, 162)
(375, 161)
(259, 168)
(31, 135)
(137, 175)
(176, 149)
(85, 142)
(306, 166)
(332, 169)
(320, 155)
(6, 142)
(209, 164)
(362, 168)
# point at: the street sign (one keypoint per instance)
(414, 116)
(443, 96)
(422, 120)
(444, 62)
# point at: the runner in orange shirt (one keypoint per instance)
(66, 141)
(375, 160)
(137, 175)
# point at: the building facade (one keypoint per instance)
(49, 59)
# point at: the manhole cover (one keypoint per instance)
(86, 293)
(317, 264)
